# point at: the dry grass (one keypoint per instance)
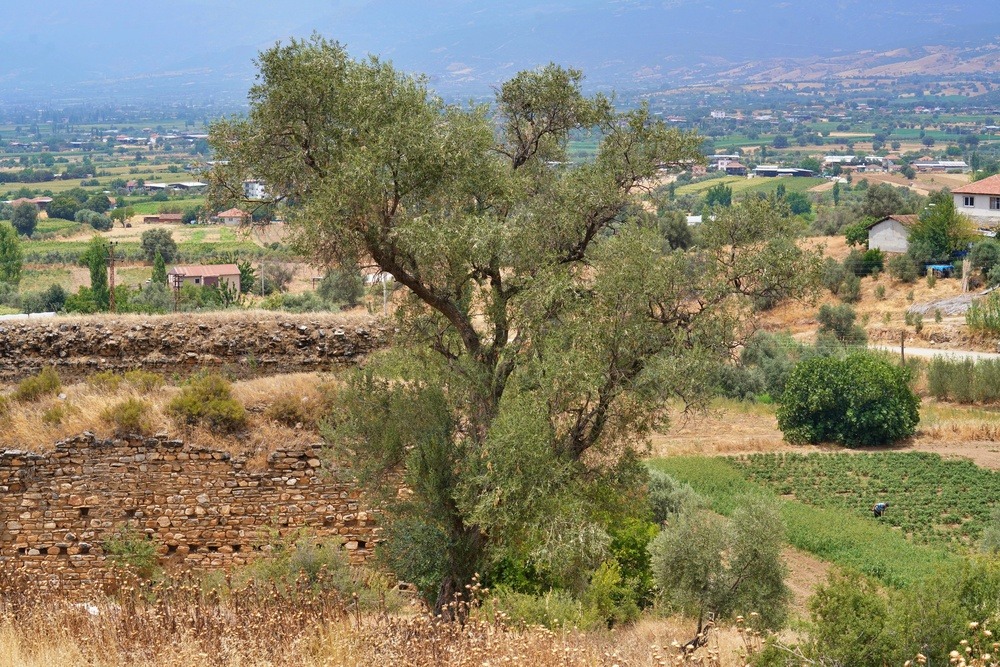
(37, 425)
(179, 623)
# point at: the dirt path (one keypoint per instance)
(805, 573)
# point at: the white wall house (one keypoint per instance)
(254, 190)
(980, 200)
(892, 233)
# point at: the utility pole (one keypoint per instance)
(177, 280)
(112, 248)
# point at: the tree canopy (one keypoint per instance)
(543, 325)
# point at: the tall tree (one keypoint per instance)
(11, 255)
(25, 219)
(545, 330)
(159, 270)
(96, 259)
(942, 228)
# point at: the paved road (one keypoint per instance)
(929, 352)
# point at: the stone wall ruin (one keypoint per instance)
(204, 508)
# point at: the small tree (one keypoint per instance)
(705, 564)
(11, 255)
(719, 194)
(342, 286)
(25, 219)
(159, 240)
(859, 400)
(838, 322)
(159, 270)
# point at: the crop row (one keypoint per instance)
(932, 500)
(842, 537)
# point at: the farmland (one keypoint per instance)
(845, 538)
(933, 500)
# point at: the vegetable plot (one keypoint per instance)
(931, 500)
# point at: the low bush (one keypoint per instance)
(131, 550)
(902, 269)
(129, 416)
(104, 381)
(144, 381)
(293, 411)
(46, 383)
(207, 400)
(983, 315)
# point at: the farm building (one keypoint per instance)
(208, 275)
(172, 218)
(891, 233)
(980, 200)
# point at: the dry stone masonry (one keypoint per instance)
(204, 508)
(247, 347)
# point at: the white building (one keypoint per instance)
(254, 190)
(980, 200)
(891, 233)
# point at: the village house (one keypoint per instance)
(891, 233)
(205, 275)
(980, 200)
(170, 218)
(233, 216)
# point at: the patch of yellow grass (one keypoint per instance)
(38, 425)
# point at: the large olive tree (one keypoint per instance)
(542, 330)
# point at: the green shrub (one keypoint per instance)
(54, 415)
(292, 411)
(207, 400)
(838, 322)
(856, 401)
(880, 292)
(131, 550)
(104, 381)
(144, 381)
(983, 315)
(33, 388)
(554, 609)
(668, 497)
(931, 280)
(129, 416)
(832, 275)
(902, 269)
(850, 289)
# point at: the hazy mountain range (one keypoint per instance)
(188, 50)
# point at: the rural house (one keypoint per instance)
(207, 275)
(233, 216)
(891, 233)
(980, 200)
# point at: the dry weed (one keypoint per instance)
(180, 622)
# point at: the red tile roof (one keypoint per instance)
(206, 270)
(987, 186)
(233, 213)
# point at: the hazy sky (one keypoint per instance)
(111, 47)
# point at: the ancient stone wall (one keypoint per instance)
(203, 508)
(246, 346)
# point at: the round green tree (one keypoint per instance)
(858, 400)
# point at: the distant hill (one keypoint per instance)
(110, 49)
